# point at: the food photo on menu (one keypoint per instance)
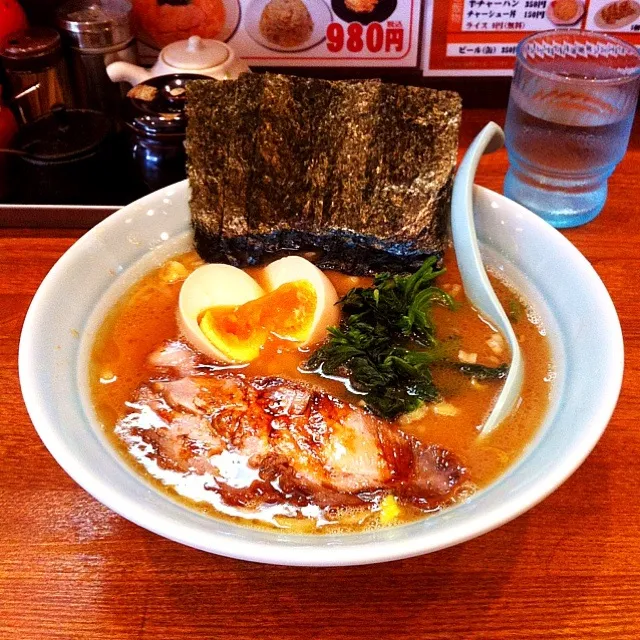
(612, 16)
(565, 12)
(311, 30)
(317, 283)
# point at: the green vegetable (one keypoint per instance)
(371, 348)
(394, 380)
(515, 310)
(399, 305)
(374, 349)
(479, 371)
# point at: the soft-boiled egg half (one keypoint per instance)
(224, 313)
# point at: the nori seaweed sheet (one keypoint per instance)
(361, 170)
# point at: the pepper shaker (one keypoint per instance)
(99, 33)
(36, 71)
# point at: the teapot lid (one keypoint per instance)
(157, 106)
(195, 54)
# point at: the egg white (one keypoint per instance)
(294, 268)
(216, 285)
(212, 285)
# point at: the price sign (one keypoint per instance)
(373, 38)
(328, 33)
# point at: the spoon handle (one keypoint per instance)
(475, 280)
(476, 283)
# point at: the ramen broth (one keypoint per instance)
(146, 317)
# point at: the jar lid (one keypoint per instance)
(157, 106)
(31, 49)
(95, 24)
(195, 53)
(63, 134)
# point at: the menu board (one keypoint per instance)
(302, 33)
(479, 37)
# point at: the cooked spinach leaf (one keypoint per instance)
(386, 344)
(399, 305)
(371, 349)
(394, 380)
(478, 371)
(515, 310)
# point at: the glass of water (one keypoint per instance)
(571, 107)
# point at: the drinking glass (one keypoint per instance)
(571, 107)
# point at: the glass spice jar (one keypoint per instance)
(98, 33)
(36, 71)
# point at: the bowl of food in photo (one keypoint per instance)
(159, 24)
(364, 11)
(565, 12)
(616, 15)
(287, 25)
(276, 361)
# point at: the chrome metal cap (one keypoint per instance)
(96, 24)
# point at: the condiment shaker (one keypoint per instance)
(36, 71)
(99, 33)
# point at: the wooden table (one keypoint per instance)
(569, 568)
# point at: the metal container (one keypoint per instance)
(98, 33)
(157, 123)
(36, 71)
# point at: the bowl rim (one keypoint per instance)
(315, 554)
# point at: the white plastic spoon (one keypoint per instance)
(475, 281)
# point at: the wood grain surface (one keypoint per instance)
(569, 568)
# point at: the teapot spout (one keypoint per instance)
(126, 72)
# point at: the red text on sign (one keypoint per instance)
(372, 39)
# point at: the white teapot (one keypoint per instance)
(196, 55)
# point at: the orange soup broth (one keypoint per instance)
(146, 317)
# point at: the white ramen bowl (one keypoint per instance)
(67, 309)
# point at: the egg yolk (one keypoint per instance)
(240, 332)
